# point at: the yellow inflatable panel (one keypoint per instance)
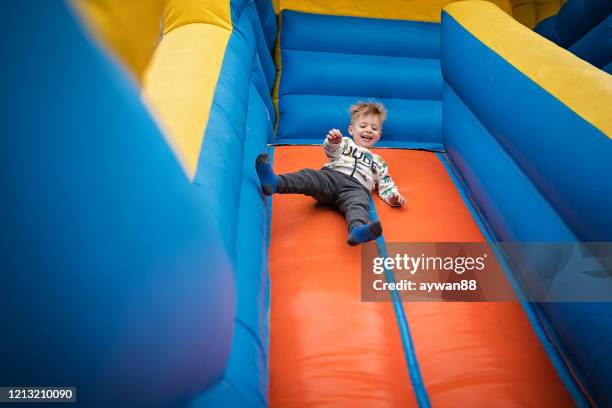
(179, 86)
(528, 12)
(181, 12)
(524, 12)
(531, 12)
(546, 8)
(130, 28)
(418, 10)
(583, 88)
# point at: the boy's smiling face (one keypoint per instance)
(366, 129)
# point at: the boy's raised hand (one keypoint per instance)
(334, 136)
(396, 200)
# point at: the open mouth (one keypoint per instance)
(367, 138)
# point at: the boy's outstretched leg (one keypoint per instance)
(354, 201)
(364, 233)
(267, 178)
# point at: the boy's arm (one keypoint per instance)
(332, 143)
(387, 190)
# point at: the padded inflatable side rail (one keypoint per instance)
(544, 152)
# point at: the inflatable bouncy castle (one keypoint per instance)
(142, 265)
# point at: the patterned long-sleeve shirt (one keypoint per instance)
(357, 161)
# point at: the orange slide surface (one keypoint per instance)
(327, 348)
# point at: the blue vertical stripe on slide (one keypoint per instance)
(411, 359)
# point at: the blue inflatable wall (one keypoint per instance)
(129, 274)
(239, 126)
(334, 61)
(535, 175)
(584, 27)
(113, 269)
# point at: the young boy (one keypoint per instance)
(348, 178)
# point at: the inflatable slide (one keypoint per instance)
(143, 266)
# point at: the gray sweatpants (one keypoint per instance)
(332, 188)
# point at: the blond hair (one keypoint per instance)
(363, 108)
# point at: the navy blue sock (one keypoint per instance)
(364, 233)
(267, 178)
